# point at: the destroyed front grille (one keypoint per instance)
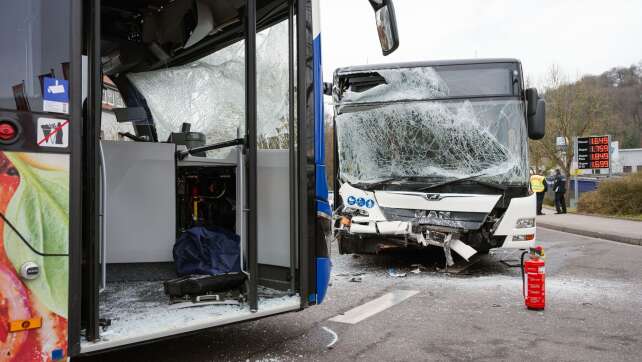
(451, 219)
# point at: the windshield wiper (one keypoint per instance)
(457, 180)
(370, 186)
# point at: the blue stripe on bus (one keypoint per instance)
(323, 265)
(319, 134)
(322, 189)
(323, 207)
(323, 277)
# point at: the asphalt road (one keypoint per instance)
(594, 304)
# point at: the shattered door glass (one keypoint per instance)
(210, 93)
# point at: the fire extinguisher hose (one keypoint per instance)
(521, 265)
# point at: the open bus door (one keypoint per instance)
(88, 222)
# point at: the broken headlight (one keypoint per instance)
(355, 212)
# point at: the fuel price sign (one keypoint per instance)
(593, 152)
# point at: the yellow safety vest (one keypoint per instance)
(537, 183)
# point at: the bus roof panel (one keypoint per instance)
(420, 64)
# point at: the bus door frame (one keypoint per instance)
(76, 184)
(303, 225)
(306, 191)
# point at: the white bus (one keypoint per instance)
(434, 154)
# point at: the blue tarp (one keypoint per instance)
(207, 251)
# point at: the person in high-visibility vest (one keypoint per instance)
(539, 186)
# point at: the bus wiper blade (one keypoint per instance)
(457, 180)
(492, 185)
(370, 186)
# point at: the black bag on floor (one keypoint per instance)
(197, 285)
(207, 251)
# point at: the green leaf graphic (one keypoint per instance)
(40, 211)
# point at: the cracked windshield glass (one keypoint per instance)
(446, 125)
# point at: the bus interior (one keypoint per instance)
(202, 140)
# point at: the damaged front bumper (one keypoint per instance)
(374, 237)
(370, 227)
(372, 221)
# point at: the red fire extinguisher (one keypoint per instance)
(533, 279)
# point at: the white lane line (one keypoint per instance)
(335, 338)
(366, 310)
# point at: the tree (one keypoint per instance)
(539, 161)
(573, 109)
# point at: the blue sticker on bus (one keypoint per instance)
(55, 96)
(55, 90)
(361, 202)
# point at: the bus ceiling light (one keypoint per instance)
(524, 223)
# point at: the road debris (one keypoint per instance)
(393, 273)
(350, 274)
(356, 279)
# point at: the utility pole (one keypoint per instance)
(640, 121)
(576, 189)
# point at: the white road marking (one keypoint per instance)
(357, 314)
(335, 338)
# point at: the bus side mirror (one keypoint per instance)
(531, 101)
(537, 122)
(386, 25)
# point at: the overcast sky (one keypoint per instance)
(580, 36)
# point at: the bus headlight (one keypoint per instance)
(525, 223)
(527, 237)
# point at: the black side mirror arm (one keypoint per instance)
(327, 88)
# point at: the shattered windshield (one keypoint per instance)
(434, 139)
(380, 137)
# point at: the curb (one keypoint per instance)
(593, 234)
(596, 215)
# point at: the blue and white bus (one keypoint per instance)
(199, 203)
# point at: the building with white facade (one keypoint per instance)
(631, 160)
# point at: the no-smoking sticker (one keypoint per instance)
(52, 132)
